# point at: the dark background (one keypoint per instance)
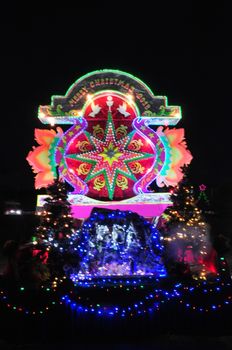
(178, 48)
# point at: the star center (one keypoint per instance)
(110, 154)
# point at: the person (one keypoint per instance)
(11, 252)
(25, 264)
(222, 244)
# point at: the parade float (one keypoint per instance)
(114, 142)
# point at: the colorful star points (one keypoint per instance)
(111, 154)
(110, 158)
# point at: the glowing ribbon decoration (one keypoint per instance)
(80, 186)
(159, 150)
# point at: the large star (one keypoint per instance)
(110, 157)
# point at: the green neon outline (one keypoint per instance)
(115, 71)
(171, 119)
(130, 136)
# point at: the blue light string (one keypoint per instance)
(150, 303)
(158, 298)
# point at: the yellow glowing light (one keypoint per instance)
(110, 154)
(51, 121)
(89, 97)
(130, 98)
(42, 115)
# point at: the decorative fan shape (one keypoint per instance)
(179, 156)
(38, 158)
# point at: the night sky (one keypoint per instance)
(177, 49)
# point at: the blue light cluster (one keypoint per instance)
(90, 281)
(150, 303)
(150, 244)
(155, 299)
(145, 261)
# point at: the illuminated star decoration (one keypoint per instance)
(110, 157)
(202, 187)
